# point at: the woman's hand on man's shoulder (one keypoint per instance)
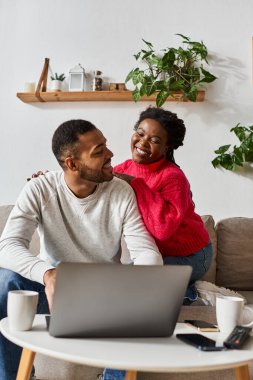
(37, 174)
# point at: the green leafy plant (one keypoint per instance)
(60, 77)
(238, 155)
(170, 70)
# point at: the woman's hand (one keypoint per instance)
(125, 177)
(35, 175)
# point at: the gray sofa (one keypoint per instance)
(231, 268)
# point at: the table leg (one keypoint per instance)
(131, 375)
(242, 373)
(25, 365)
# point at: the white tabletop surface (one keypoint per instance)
(141, 354)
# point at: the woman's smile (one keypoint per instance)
(149, 142)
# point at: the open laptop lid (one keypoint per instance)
(105, 300)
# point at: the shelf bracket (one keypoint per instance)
(42, 84)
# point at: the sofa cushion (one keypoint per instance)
(206, 313)
(209, 224)
(235, 253)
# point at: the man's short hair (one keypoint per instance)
(65, 138)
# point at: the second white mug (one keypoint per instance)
(229, 312)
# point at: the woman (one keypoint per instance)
(164, 198)
(163, 193)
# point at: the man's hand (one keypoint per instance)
(125, 177)
(49, 281)
(35, 175)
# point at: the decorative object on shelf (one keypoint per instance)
(30, 87)
(170, 70)
(97, 83)
(239, 155)
(56, 84)
(117, 87)
(42, 84)
(77, 79)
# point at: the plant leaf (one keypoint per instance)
(136, 94)
(161, 97)
(168, 59)
(129, 75)
(240, 132)
(249, 157)
(216, 162)
(222, 149)
(150, 86)
(238, 153)
(227, 162)
(192, 95)
(177, 85)
(147, 43)
(137, 77)
(184, 37)
(137, 55)
(208, 77)
(142, 90)
(146, 55)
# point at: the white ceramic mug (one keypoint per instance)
(21, 309)
(229, 312)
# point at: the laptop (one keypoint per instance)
(115, 300)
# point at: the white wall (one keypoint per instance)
(104, 35)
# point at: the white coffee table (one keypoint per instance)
(142, 354)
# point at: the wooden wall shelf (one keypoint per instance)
(95, 96)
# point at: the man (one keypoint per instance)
(81, 212)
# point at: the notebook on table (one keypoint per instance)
(105, 300)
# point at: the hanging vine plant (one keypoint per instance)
(230, 158)
(170, 70)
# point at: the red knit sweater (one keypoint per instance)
(164, 199)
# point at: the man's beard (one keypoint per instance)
(96, 176)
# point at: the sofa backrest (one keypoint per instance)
(235, 253)
(232, 239)
(208, 220)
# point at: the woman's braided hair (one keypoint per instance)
(170, 122)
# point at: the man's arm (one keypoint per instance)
(17, 235)
(141, 246)
(49, 281)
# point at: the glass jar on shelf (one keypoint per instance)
(97, 84)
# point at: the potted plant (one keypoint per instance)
(57, 80)
(238, 155)
(170, 70)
